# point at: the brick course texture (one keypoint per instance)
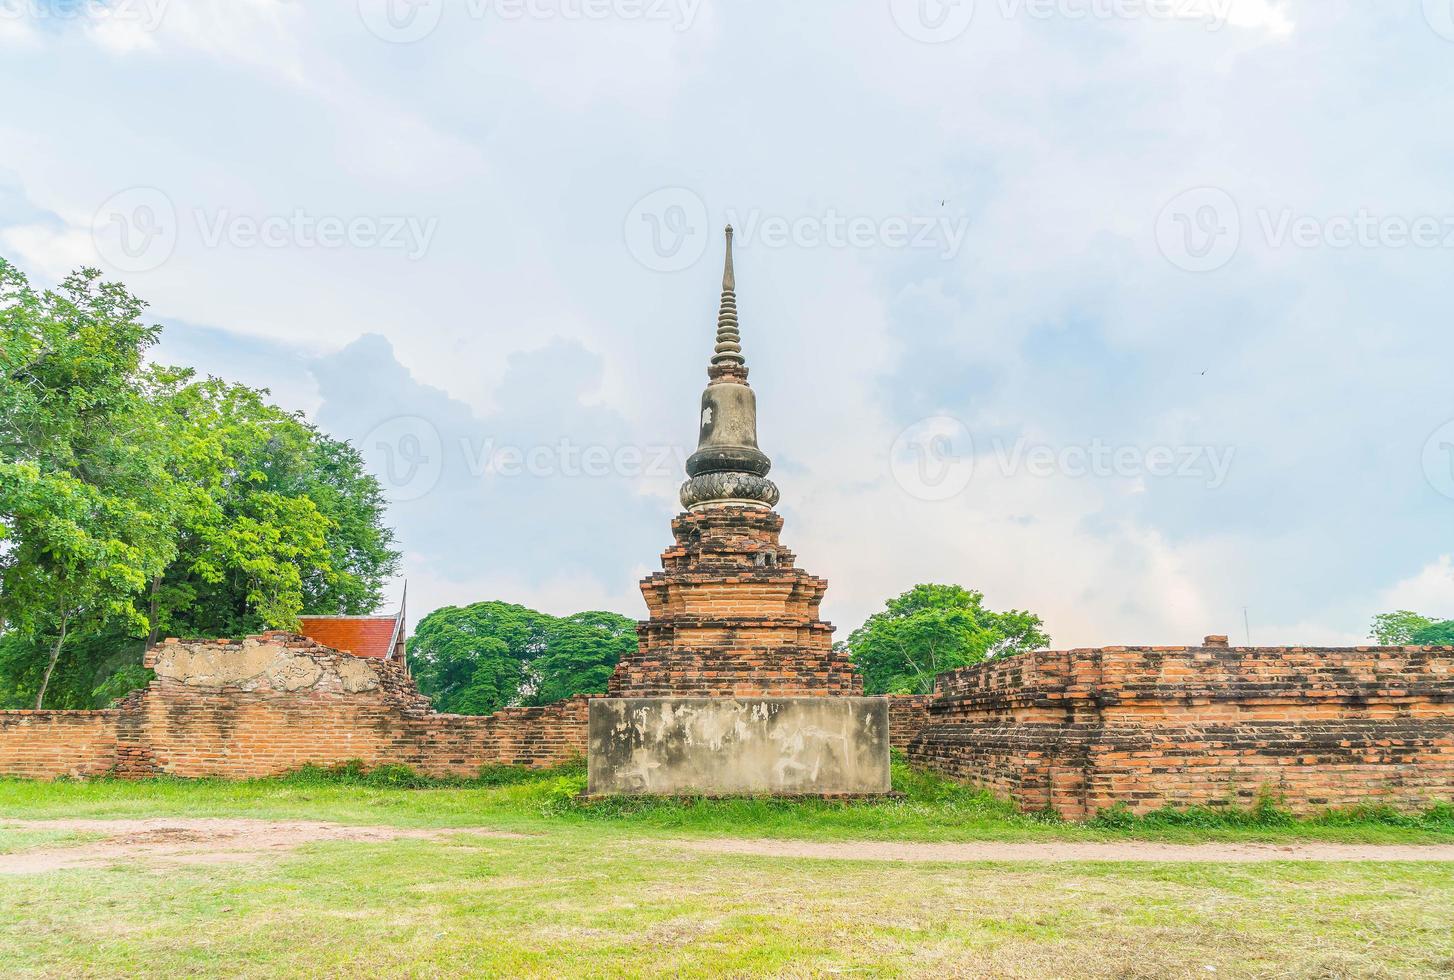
(1081, 730)
(272, 703)
(732, 617)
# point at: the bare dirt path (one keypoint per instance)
(204, 841)
(1071, 851)
(179, 840)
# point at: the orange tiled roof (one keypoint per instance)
(362, 636)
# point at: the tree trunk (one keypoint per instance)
(55, 654)
(152, 634)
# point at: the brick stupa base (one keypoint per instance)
(732, 617)
(735, 687)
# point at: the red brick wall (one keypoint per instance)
(1081, 730)
(274, 703)
(908, 714)
(47, 744)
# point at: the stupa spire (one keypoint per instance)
(727, 467)
(729, 338)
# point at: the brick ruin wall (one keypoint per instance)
(1081, 730)
(1075, 731)
(271, 704)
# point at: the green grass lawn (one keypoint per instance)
(931, 809)
(602, 889)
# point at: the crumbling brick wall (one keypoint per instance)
(272, 703)
(1081, 730)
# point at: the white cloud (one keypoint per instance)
(17, 34)
(1430, 591)
(48, 250)
(1058, 143)
(1266, 15)
(559, 595)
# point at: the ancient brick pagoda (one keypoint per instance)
(734, 642)
(731, 616)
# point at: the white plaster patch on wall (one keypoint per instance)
(259, 664)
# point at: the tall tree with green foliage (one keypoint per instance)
(480, 658)
(580, 653)
(934, 628)
(87, 506)
(136, 499)
(280, 519)
(1405, 628)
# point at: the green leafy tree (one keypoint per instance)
(99, 667)
(280, 519)
(136, 500)
(480, 658)
(934, 628)
(87, 505)
(471, 660)
(1436, 634)
(1404, 628)
(580, 653)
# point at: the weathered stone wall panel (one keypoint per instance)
(750, 746)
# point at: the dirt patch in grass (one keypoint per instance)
(176, 840)
(1218, 853)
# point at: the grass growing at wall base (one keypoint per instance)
(931, 808)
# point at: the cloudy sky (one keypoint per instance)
(1134, 313)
